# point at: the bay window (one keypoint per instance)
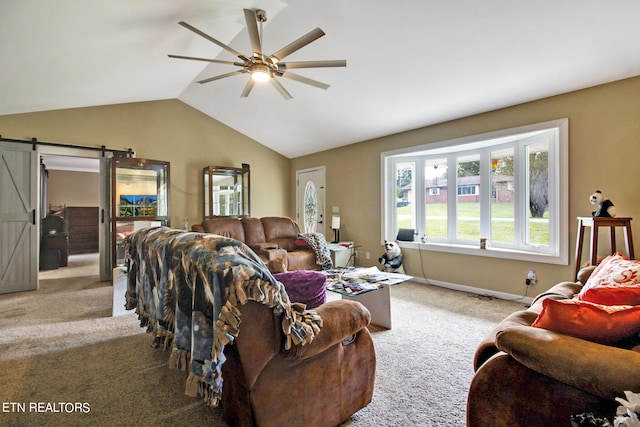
(509, 187)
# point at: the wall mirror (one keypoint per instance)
(227, 191)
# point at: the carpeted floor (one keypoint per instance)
(65, 361)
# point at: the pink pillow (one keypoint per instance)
(593, 322)
(616, 281)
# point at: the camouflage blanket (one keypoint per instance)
(187, 288)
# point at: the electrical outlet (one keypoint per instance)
(531, 278)
(367, 255)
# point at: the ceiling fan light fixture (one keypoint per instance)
(261, 67)
(260, 73)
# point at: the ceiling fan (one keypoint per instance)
(260, 66)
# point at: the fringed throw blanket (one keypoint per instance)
(318, 243)
(188, 288)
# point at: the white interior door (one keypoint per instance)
(18, 217)
(310, 200)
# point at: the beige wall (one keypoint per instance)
(604, 153)
(170, 131)
(604, 131)
(73, 188)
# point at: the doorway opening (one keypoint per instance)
(70, 194)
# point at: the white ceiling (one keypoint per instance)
(409, 63)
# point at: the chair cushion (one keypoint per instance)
(304, 286)
(253, 231)
(279, 228)
(227, 227)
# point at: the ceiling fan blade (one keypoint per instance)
(312, 64)
(311, 36)
(252, 28)
(221, 76)
(239, 64)
(305, 80)
(211, 39)
(247, 88)
(286, 95)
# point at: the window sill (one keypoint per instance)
(488, 252)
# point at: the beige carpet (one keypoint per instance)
(67, 362)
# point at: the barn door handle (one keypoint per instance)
(33, 217)
(102, 216)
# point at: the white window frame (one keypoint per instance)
(558, 250)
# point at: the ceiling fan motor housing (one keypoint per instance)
(261, 15)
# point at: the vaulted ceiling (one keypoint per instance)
(410, 63)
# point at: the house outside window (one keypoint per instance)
(509, 187)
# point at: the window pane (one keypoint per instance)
(502, 197)
(405, 195)
(435, 184)
(468, 198)
(538, 192)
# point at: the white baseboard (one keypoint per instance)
(474, 290)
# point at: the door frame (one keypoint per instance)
(89, 153)
(321, 196)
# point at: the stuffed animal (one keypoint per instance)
(605, 206)
(392, 257)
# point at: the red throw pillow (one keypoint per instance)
(612, 295)
(593, 322)
(301, 243)
(616, 281)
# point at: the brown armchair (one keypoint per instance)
(536, 377)
(319, 384)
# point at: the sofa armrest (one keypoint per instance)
(487, 347)
(599, 369)
(341, 319)
(271, 254)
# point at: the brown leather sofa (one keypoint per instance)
(320, 384)
(528, 376)
(270, 237)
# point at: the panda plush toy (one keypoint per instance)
(605, 206)
(392, 257)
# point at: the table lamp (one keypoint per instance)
(335, 226)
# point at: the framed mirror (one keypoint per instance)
(227, 191)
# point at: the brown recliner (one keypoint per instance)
(284, 232)
(539, 378)
(319, 384)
